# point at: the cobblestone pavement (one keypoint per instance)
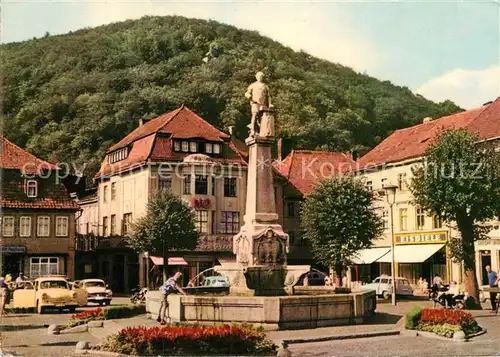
(395, 346)
(26, 334)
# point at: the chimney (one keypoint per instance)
(426, 120)
(231, 130)
(141, 122)
(280, 149)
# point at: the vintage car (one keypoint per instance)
(383, 286)
(50, 292)
(97, 291)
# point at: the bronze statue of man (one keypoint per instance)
(258, 93)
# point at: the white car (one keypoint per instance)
(383, 286)
(97, 291)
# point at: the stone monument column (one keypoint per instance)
(261, 246)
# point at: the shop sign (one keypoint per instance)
(421, 238)
(203, 203)
(10, 249)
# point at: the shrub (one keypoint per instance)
(122, 312)
(446, 330)
(189, 339)
(86, 316)
(413, 318)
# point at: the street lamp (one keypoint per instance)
(390, 194)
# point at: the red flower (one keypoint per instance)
(442, 316)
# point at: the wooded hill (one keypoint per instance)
(69, 97)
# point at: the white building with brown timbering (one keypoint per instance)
(420, 237)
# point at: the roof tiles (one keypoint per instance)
(412, 142)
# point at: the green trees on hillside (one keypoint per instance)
(69, 97)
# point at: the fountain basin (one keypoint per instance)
(270, 312)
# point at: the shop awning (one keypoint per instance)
(370, 255)
(171, 261)
(411, 253)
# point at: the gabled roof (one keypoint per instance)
(16, 163)
(181, 123)
(13, 157)
(410, 143)
(304, 169)
(152, 142)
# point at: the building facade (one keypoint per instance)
(37, 216)
(420, 237)
(296, 177)
(181, 152)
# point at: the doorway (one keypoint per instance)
(485, 261)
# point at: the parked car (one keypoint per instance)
(97, 290)
(50, 292)
(383, 286)
(215, 281)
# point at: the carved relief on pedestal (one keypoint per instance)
(270, 249)
(241, 247)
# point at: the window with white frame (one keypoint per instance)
(8, 226)
(62, 226)
(185, 146)
(40, 266)
(201, 221)
(402, 185)
(43, 226)
(385, 218)
(383, 182)
(118, 155)
(113, 191)
(31, 188)
(209, 148)
(230, 222)
(177, 146)
(164, 181)
(127, 221)
(193, 146)
(105, 194)
(25, 226)
(217, 148)
(369, 185)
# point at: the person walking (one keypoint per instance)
(493, 282)
(166, 289)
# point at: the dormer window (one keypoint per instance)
(31, 188)
(118, 155)
(217, 148)
(209, 148)
(193, 146)
(177, 146)
(185, 146)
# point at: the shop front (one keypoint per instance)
(420, 255)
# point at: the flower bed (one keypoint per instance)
(443, 322)
(189, 340)
(86, 316)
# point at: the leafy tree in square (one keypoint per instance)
(169, 224)
(460, 181)
(339, 220)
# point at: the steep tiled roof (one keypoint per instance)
(51, 194)
(13, 157)
(182, 123)
(304, 169)
(412, 142)
(153, 141)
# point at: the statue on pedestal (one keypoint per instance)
(260, 102)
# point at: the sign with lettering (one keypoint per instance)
(11, 249)
(421, 238)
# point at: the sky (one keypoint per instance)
(442, 50)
